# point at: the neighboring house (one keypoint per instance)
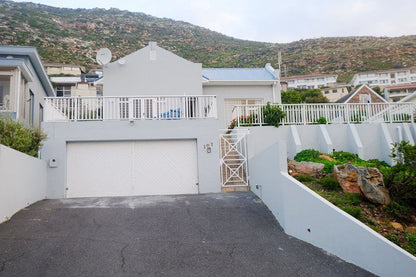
(335, 91)
(63, 69)
(398, 92)
(311, 81)
(363, 94)
(83, 85)
(383, 78)
(23, 84)
(71, 80)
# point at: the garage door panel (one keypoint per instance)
(131, 168)
(175, 164)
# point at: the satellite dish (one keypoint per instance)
(103, 56)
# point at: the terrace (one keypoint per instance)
(130, 108)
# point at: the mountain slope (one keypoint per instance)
(74, 35)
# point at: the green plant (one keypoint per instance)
(396, 210)
(321, 120)
(329, 183)
(307, 155)
(354, 211)
(272, 115)
(15, 135)
(401, 178)
(305, 178)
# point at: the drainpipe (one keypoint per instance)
(274, 92)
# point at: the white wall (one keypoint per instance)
(22, 181)
(204, 131)
(264, 92)
(307, 216)
(152, 72)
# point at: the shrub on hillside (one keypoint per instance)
(15, 135)
(401, 178)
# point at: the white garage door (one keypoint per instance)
(131, 168)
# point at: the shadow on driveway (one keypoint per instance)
(230, 234)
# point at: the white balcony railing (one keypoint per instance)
(130, 108)
(253, 115)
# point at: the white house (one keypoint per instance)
(310, 81)
(23, 84)
(155, 130)
(384, 78)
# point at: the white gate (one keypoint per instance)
(233, 151)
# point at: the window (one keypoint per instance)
(334, 91)
(63, 91)
(365, 98)
(4, 92)
(402, 80)
(40, 114)
(326, 91)
(392, 75)
(31, 107)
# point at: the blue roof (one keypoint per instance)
(237, 74)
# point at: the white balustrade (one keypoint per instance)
(130, 108)
(253, 115)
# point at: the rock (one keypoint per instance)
(326, 157)
(365, 180)
(308, 168)
(347, 177)
(413, 218)
(372, 186)
(397, 226)
(411, 229)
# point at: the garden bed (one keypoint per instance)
(395, 221)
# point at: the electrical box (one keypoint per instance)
(53, 163)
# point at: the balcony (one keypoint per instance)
(130, 108)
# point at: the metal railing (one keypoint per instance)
(130, 108)
(253, 115)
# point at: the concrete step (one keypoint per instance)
(235, 188)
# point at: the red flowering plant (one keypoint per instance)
(245, 120)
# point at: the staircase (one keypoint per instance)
(234, 175)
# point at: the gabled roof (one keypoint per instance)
(347, 97)
(401, 86)
(238, 74)
(34, 58)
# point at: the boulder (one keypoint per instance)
(397, 226)
(372, 186)
(365, 180)
(411, 229)
(347, 177)
(308, 168)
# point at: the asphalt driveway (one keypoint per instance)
(199, 235)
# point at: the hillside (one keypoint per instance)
(74, 35)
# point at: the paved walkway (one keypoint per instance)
(200, 235)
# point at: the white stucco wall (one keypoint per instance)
(307, 216)
(203, 131)
(222, 92)
(152, 72)
(23, 181)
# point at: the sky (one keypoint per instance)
(274, 20)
